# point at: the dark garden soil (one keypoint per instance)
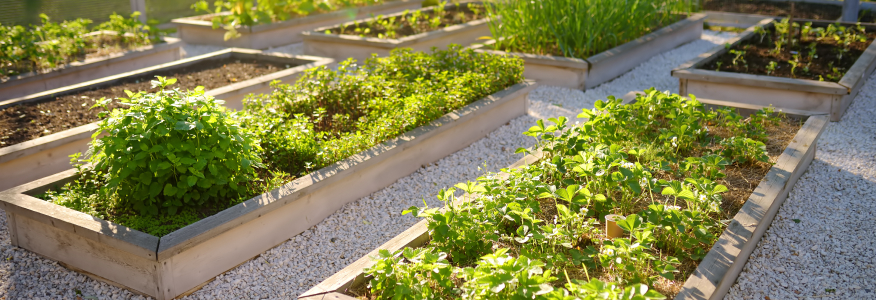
(405, 26)
(759, 53)
(801, 10)
(29, 121)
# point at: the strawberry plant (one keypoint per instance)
(534, 232)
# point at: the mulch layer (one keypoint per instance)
(29, 121)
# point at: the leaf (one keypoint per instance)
(169, 190)
(182, 125)
(145, 178)
(192, 180)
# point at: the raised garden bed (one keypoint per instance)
(459, 24)
(199, 30)
(64, 121)
(699, 76)
(577, 73)
(91, 68)
(710, 279)
(182, 260)
(744, 13)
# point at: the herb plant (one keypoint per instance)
(50, 45)
(250, 12)
(576, 28)
(534, 233)
(416, 22)
(173, 157)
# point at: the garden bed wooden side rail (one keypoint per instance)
(342, 46)
(93, 68)
(47, 155)
(199, 30)
(576, 73)
(718, 270)
(183, 261)
(832, 98)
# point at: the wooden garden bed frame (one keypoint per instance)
(832, 98)
(582, 74)
(197, 30)
(342, 46)
(184, 260)
(92, 68)
(714, 275)
(47, 155)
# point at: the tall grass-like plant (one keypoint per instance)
(577, 28)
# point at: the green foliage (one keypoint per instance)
(329, 115)
(173, 149)
(51, 44)
(251, 12)
(576, 28)
(416, 22)
(654, 161)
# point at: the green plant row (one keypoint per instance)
(416, 22)
(250, 12)
(49, 45)
(577, 28)
(534, 233)
(174, 157)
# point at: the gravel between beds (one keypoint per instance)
(300, 263)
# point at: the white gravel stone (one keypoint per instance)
(822, 243)
(303, 261)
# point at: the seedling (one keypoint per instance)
(771, 67)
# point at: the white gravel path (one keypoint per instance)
(300, 263)
(822, 243)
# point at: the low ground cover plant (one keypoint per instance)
(797, 50)
(416, 22)
(250, 13)
(577, 28)
(174, 157)
(49, 45)
(672, 170)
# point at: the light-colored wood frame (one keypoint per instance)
(582, 74)
(342, 46)
(92, 68)
(44, 156)
(195, 30)
(713, 276)
(184, 260)
(832, 98)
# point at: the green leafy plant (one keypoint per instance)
(172, 149)
(511, 235)
(771, 67)
(409, 23)
(576, 28)
(233, 13)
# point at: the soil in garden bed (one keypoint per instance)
(831, 60)
(25, 122)
(413, 23)
(801, 10)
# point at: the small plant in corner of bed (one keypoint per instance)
(795, 50)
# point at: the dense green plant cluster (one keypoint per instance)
(251, 12)
(171, 158)
(416, 22)
(576, 28)
(171, 150)
(533, 233)
(329, 115)
(51, 44)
